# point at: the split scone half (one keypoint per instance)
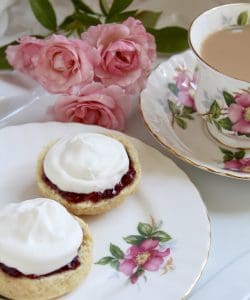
(88, 173)
(45, 251)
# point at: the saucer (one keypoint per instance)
(167, 106)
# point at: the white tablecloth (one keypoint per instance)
(227, 273)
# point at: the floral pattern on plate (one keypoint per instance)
(148, 252)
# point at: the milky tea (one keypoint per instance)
(228, 51)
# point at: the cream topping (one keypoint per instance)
(86, 163)
(38, 236)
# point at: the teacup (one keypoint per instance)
(218, 95)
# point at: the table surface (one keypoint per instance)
(227, 273)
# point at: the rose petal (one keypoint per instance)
(183, 81)
(233, 165)
(242, 126)
(149, 244)
(132, 252)
(243, 99)
(164, 253)
(186, 99)
(127, 267)
(127, 52)
(153, 264)
(65, 64)
(235, 112)
(133, 278)
(99, 105)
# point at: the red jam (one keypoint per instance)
(95, 197)
(74, 264)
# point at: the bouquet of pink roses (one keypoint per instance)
(95, 74)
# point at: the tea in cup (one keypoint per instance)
(220, 38)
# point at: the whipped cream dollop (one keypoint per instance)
(85, 163)
(38, 236)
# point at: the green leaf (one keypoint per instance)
(228, 155)
(118, 6)
(227, 158)
(134, 239)
(173, 88)
(44, 12)
(104, 7)
(161, 236)
(187, 110)
(243, 18)
(229, 98)
(4, 64)
(67, 22)
(170, 39)
(226, 123)
(189, 117)
(173, 107)
(148, 18)
(115, 264)
(180, 122)
(105, 260)
(210, 120)
(239, 154)
(217, 125)
(116, 251)
(215, 110)
(225, 151)
(121, 16)
(80, 5)
(78, 22)
(145, 229)
(87, 20)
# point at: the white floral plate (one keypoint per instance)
(168, 110)
(169, 259)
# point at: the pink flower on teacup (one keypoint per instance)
(95, 104)
(127, 52)
(239, 113)
(241, 165)
(24, 56)
(65, 64)
(146, 256)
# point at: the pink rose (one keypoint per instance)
(127, 52)
(65, 64)
(99, 105)
(24, 56)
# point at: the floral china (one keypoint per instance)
(223, 101)
(153, 235)
(169, 110)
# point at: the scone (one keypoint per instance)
(89, 173)
(45, 252)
